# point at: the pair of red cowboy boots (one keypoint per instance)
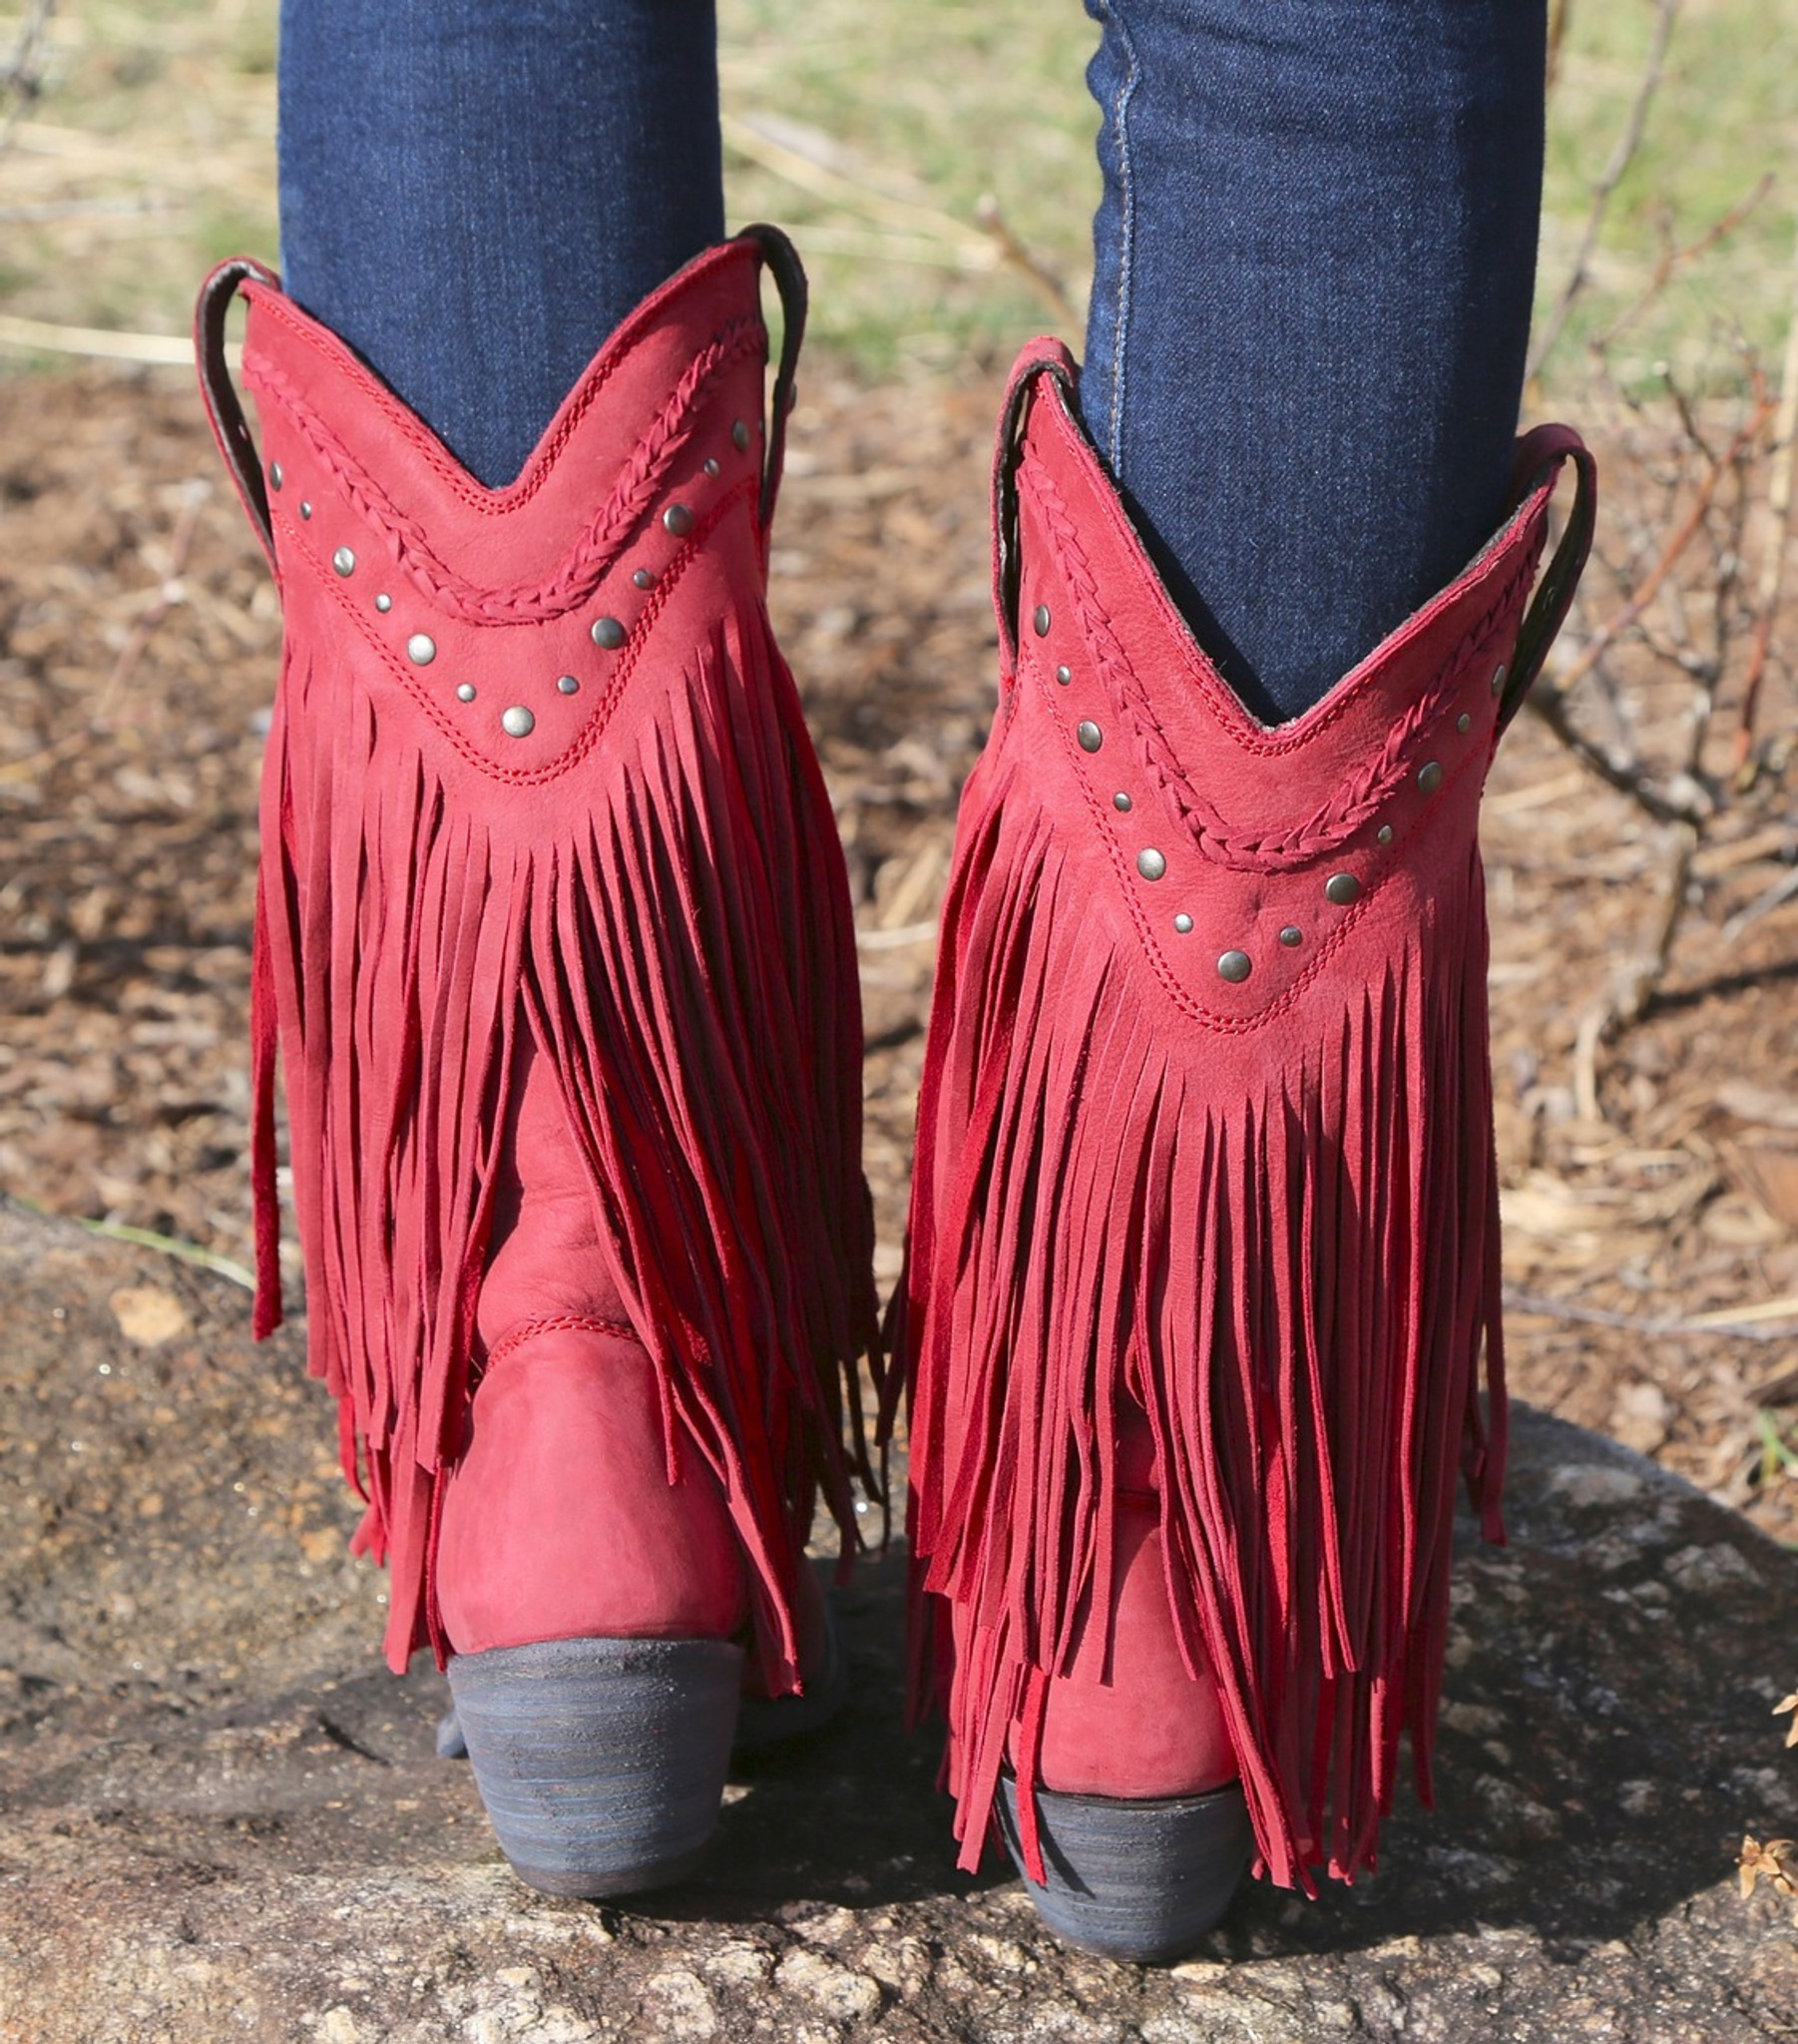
(554, 942)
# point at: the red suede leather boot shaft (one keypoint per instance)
(1205, 1130)
(1131, 1717)
(563, 1517)
(544, 837)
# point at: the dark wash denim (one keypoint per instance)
(1314, 259)
(1313, 266)
(474, 193)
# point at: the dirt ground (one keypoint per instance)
(1648, 1189)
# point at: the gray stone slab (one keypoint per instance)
(220, 1818)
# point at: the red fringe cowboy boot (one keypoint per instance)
(554, 937)
(1203, 1248)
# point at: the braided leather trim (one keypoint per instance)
(1280, 850)
(594, 549)
(513, 1338)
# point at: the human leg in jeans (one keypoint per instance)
(553, 930)
(1203, 1230)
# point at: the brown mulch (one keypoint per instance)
(138, 644)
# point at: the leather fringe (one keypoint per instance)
(666, 958)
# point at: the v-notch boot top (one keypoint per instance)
(554, 937)
(1206, 1158)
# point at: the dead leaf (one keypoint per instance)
(149, 1316)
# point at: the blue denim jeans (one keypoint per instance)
(474, 193)
(1313, 265)
(1314, 261)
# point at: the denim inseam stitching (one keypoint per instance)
(1120, 115)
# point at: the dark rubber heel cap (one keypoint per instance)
(1141, 1880)
(600, 1762)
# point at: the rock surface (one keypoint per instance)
(219, 1818)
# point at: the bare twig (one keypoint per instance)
(1746, 1325)
(1677, 540)
(1640, 980)
(1675, 256)
(1017, 256)
(46, 336)
(1779, 526)
(1622, 156)
(1560, 17)
(22, 74)
(168, 594)
(1623, 774)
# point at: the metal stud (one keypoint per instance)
(1120, 801)
(1291, 935)
(1429, 775)
(1464, 722)
(1184, 923)
(383, 601)
(1089, 735)
(711, 465)
(516, 723)
(1236, 966)
(678, 520)
(1040, 621)
(1064, 674)
(1151, 864)
(740, 436)
(465, 692)
(306, 509)
(1341, 888)
(568, 685)
(1498, 677)
(275, 478)
(421, 649)
(607, 634)
(344, 560)
(1384, 833)
(644, 579)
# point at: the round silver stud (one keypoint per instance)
(1184, 923)
(465, 692)
(1151, 864)
(344, 560)
(644, 579)
(1064, 674)
(678, 520)
(1089, 735)
(1341, 888)
(383, 601)
(739, 435)
(1429, 775)
(1464, 722)
(421, 649)
(1040, 621)
(568, 684)
(275, 478)
(1291, 935)
(306, 509)
(1384, 833)
(1120, 801)
(516, 723)
(1236, 966)
(1498, 677)
(607, 634)
(711, 465)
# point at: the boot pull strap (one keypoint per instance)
(1043, 358)
(223, 407)
(1540, 456)
(789, 279)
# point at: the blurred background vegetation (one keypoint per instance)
(930, 156)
